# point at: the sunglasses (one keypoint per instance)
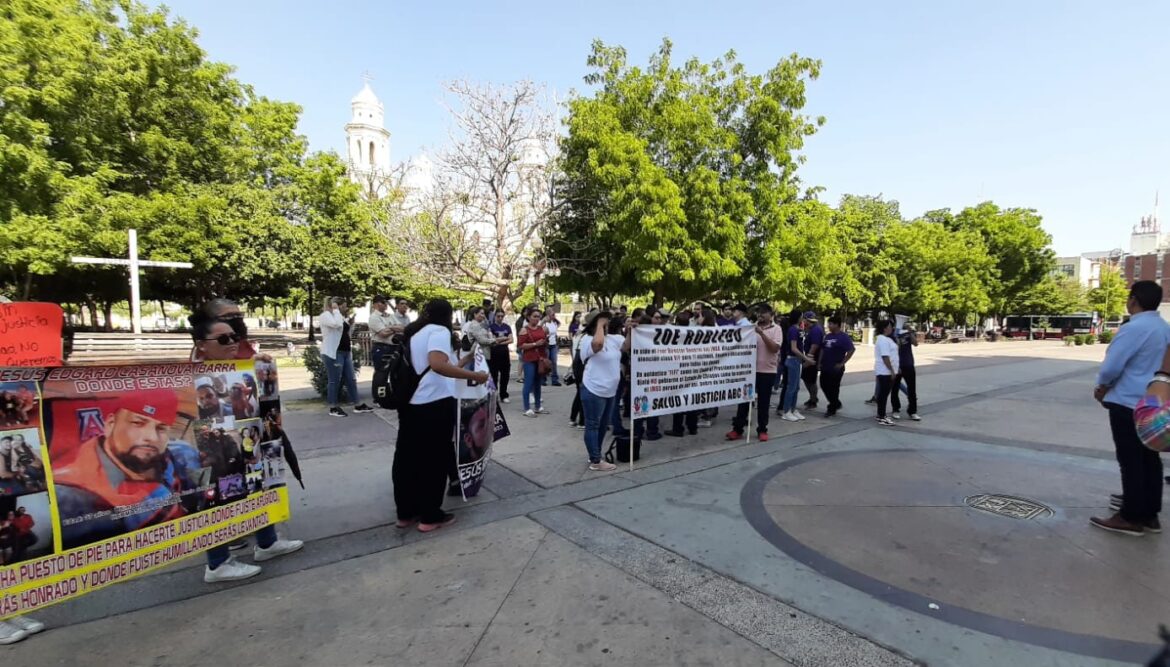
(225, 339)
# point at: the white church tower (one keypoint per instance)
(367, 143)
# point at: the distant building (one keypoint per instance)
(367, 143)
(1149, 257)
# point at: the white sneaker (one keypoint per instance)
(230, 570)
(29, 625)
(505, 401)
(789, 417)
(885, 421)
(603, 466)
(277, 548)
(542, 411)
(896, 415)
(915, 418)
(529, 413)
(10, 633)
(704, 423)
(799, 417)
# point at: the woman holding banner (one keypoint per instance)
(425, 451)
(218, 340)
(601, 352)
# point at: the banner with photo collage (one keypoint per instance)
(110, 472)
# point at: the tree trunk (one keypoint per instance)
(93, 321)
(108, 314)
(27, 286)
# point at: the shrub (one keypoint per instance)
(1079, 340)
(316, 367)
(1105, 337)
(1090, 339)
(1069, 340)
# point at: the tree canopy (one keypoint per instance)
(114, 119)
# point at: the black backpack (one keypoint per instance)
(395, 380)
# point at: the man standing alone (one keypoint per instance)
(1130, 364)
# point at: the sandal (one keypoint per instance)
(429, 527)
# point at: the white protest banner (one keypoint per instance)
(677, 369)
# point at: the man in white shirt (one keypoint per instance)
(381, 329)
(399, 320)
(885, 367)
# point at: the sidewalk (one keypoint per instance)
(837, 543)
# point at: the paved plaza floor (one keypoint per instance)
(959, 540)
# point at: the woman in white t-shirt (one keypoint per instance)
(601, 353)
(885, 355)
(426, 426)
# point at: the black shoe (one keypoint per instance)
(362, 407)
(454, 490)
(809, 405)
(695, 432)
(337, 412)
(673, 433)
(1153, 525)
(556, 383)
(871, 400)
(830, 413)
(653, 436)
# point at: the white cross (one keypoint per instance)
(134, 263)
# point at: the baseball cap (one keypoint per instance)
(159, 404)
(809, 315)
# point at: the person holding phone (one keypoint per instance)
(601, 352)
(337, 355)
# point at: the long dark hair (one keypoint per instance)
(436, 311)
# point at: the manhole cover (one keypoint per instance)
(1009, 506)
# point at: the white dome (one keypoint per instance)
(366, 96)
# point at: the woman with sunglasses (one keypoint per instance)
(217, 340)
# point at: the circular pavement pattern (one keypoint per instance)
(899, 525)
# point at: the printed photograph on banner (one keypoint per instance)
(26, 528)
(477, 426)
(225, 396)
(271, 463)
(19, 405)
(22, 462)
(270, 413)
(120, 448)
(266, 377)
(251, 433)
(221, 451)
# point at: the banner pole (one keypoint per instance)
(751, 407)
(631, 438)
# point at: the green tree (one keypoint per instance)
(1054, 295)
(1109, 297)
(682, 173)
(1018, 244)
(112, 119)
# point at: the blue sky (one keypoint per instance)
(1059, 106)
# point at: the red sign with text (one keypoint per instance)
(30, 334)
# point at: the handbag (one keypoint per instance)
(543, 366)
(619, 450)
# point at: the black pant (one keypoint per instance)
(764, 383)
(831, 385)
(648, 426)
(1141, 468)
(809, 375)
(884, 382)
(910, 377)
(576, 414)
(423, 457)
(500, 366)
(690, 418)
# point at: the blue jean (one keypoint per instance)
(598, 411)
(340, 369)
(216, 556)
(555, 376)
(792, 366)
(531, 384)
